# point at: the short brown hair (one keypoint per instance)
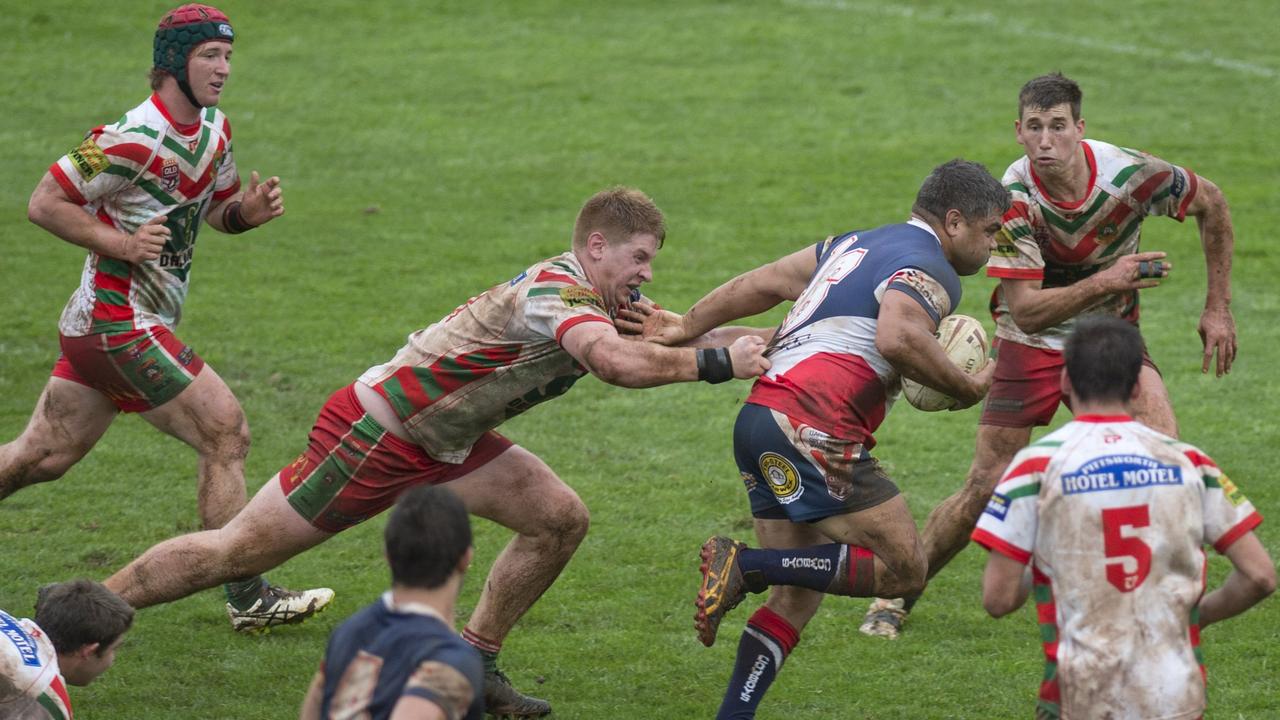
(1049, 91)
(619, 213)
(81, 612)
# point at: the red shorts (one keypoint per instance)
(354, 469)
(139, 370)
(1028, 385)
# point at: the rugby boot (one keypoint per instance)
(723, 586)
(884, 618)
(502, 700)
(278, 606)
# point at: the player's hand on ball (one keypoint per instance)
(747, 355)
(147, 242)
(979, 383)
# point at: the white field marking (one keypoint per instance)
(1007, 26)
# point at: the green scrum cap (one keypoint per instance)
(178, 34)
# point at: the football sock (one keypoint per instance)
(834, 569)
(766, 642)
(488, 649)
(242, 594)
(909, 601)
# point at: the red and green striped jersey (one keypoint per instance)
(1113, 517)
(492, 358)
(1060, 243)
(29, 676)
(126, 173)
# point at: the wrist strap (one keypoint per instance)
(233, 219)
(714, 365)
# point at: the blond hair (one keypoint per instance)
(619, 213)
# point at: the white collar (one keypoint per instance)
(925, 226)
(411, 607)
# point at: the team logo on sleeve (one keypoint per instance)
(576, 296)
(782, 476)
(1232, 491)
(89, 159)
(997, 506)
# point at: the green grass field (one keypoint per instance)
(432, 149)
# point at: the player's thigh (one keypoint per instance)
(205, 415)
(1152, 407)
(888, 530)
(269, 530)
(518, 490)
(69, 418)
(994, 450)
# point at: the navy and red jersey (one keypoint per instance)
(826, 369)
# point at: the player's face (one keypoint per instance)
(207, 71)
(1050, 137)
(94, 665)
(626, 266)
(970, 241)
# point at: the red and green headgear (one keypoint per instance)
(180, 31)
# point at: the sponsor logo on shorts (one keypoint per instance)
(169, 175)
(1004, 405)
(186, 355)
(576, 296)
(782, 476)
(89, 159)
(997, 506)
(151, 372)
(1120, 472)
(22, 642)
(1232, 491)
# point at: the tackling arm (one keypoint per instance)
(1252, 579)
(599, 348)
(1035, 308)
(904, 336)
(1217, 237)
(750, 293)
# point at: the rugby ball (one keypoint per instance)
(965, 343)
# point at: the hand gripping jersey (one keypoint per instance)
(491, 359)
(826, 369)
(126, 173)
(1061, 243)
(385, 652)
(1112, 516)
(29, 670)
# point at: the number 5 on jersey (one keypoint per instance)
(1127, 549)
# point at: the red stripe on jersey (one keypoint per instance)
(1034, 465)
(1016, 273)
(223, 194)
(548, 276)
(1146, 189)
(1089, 242)
(1047, 614)
(1199, 458)
(997, 544)
(68, 187)
(411, 386)
(576, 321)
(1186, 201)
(136, 153)
(60, 690)
(1016, 210)
(106, 219)
(1229, 537)
(448, 379)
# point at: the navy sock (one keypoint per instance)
(834, 568)
(765, 644)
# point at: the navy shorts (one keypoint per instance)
(796, 472)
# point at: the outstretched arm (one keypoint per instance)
(1036, 308)
(255, 205)
(1217, 326)
(599, 348)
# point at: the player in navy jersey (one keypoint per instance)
(827, 517)
(400, 656)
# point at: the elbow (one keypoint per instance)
(37, 213)
(891, 347)
(1264, 583)
(1026, 322)
(997, 607)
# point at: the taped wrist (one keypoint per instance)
(233, 219)
(714, 365)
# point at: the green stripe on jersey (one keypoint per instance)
(1046, 443)
(394, 393)
(566, 267)
(110, 297)
(1018, 187)
(1119, 180)
(1025, 490)
(1072, 226)
(181, 150)
(544, 291)
(51, 705)
(149, 132)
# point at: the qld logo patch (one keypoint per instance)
(782, 476)
(89, 159)
(169, 175)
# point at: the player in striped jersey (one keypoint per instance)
(78, 626)
(1069, 249)
(1112, 516)
(428, 417)
(135, 194)
(827, 517)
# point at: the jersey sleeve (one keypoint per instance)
(1228, 514)
(927, 289)
(1008, 524)
(227, 179)
(1017, 255)
(557, 300)
(1159, 187)
(452, 678)
(105, 163)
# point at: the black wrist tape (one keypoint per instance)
(714, 365)
(233, 220)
